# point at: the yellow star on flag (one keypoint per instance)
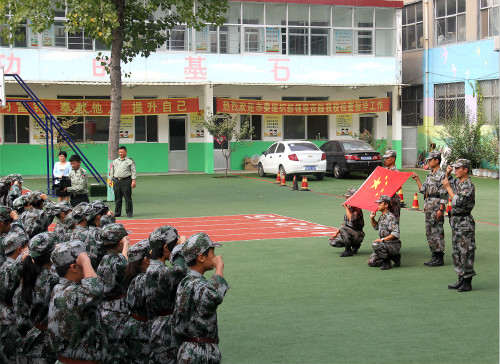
(376, 182)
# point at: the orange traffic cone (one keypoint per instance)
(283, 180)
(295, 185)
(400, 194)
(415, 203)
(448, 207)
(278, 178)
(305, 185)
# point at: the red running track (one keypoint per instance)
(232, 228)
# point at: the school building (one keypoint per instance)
(310, 70)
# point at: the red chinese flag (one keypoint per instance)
(382, 181)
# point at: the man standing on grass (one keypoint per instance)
(436, 198)
(463, 227)
(123, 176)
(78, 189)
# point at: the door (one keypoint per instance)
(409, 146)
(177, 151)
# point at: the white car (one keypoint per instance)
(293, 157)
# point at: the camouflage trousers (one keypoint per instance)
(113, 314)
(383, 250)
(348, 236)
(136, 340)
(37, 347)
(8, 344)
(162, 342)
(194, 353)
(463, 244)
(435, 232)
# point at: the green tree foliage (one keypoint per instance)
(129, 27)
(225, 131)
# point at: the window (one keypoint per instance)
(412, 105)
(305, 126)
(490, 15)
(178, 39)
(491, 99)
(18, 43)
(146, 126)
(413, 28)
(16, 128)
(255, 121)
(450, 21)
(449, 101)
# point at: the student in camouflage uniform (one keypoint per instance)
(16, 189)
(37, 219)
(390, 164)
(137, 329)
(6, 219)
(463, 226)
(197, 299)
(62, 208)
(74, 325)
(21, 203)
(15, 244)
(78, 189)
(436, 198)
(161, 284)
(113, 308)
(94, 213)
(350, 234)
(387, 247)
(80, 231)
(22, 312)
(38, 281)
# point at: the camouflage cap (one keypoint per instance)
(35, 196)
(390, 153)
(42, 244)
(384, 198)
(15, 177)
(113, 233)
(79, 212)
(197, 244)
(432, 155)
(94, 208)
(63, 206)
(350, 192)
(5, 213)
(67, 253)
(461, 163)
(69, 220)
(162, 235)
(14, 240)
(20, 202)
(138, 251)
(107, 219)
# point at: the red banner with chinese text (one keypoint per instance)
(259, 107)
(88, 107)
(382, 181)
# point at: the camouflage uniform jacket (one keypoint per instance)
(44, 285)
(136, 298)
(36, 221)
(464, 197)
(78, 181)
(81, 233)
(196, 305)
(434, 192)
(3, 257)
(112, 271)
(22, 312)
(74, 325)
(357, 221)
(161, 283)
(94, 244)
(60, 230)
(9, 281)
(14, 192)
(388, 225)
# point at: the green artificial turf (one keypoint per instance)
(297, 301)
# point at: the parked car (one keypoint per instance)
(293, 157)
(349, 155)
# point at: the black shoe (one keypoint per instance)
(466, 285)
(355, 249)
(397, 260)
(130, 215)
(431, 260)
(347, 253)
(456, 285)
(118, 215)
(386, 265)
(438, 260)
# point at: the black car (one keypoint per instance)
(344, 156)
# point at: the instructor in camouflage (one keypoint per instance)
(463, 227)
(436, 198)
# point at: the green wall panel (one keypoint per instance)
(196, 157)
(29, 159)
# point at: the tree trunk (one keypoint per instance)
(116, 82)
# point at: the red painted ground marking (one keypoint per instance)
(327, 194)
(232, 228)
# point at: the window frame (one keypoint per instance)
(453, 93)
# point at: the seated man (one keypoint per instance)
(389, 245)
(350, 234)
